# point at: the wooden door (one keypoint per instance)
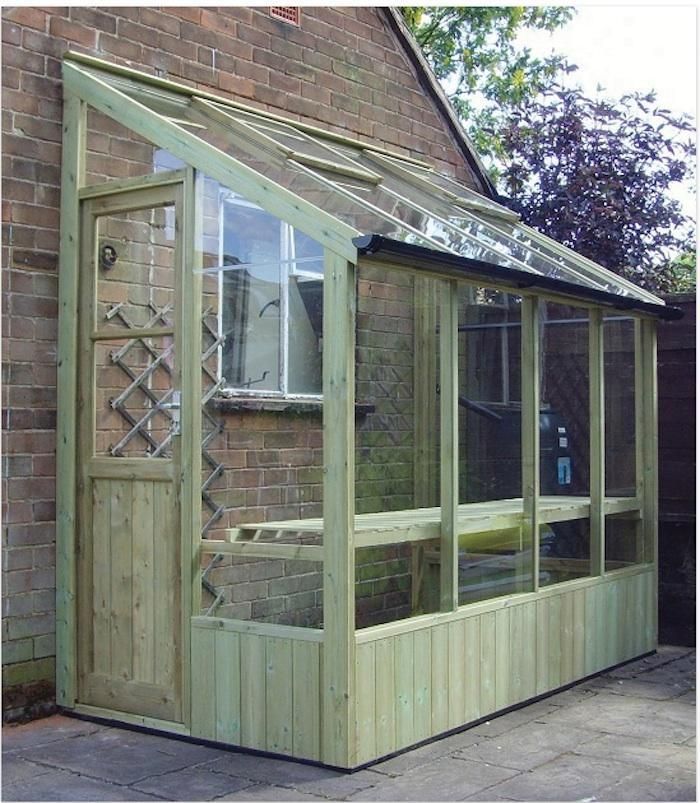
(130, 617)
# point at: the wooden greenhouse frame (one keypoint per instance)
(341, 696)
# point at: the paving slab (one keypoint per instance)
(418, 756)
(527, 746)
(568, 777)
(643, 754)
(123, 756)
(641, 687)
(267, 792)
(444, 779)
(683, 658)
(15, 769)
(616, 713)
(513, 719)
(192, 783)
(271, 771)
(688, 698)
(342, 787)
(651, 785)
(35, 734)
(62, 785)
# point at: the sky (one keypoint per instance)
(630, 47)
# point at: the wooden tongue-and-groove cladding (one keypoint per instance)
(131, 656)
(256, 691)
(264, 692)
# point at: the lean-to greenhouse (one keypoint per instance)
(350, 456)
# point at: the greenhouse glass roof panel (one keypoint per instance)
(363, 187)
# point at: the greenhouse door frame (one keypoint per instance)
(174, 482)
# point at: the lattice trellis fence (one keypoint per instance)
(150, 407)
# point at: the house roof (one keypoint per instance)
(354, 198)
(434, 90)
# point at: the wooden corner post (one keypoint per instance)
(72, 178)
(338, 679)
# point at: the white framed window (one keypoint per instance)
(270, 303)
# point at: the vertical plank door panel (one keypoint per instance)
(143, 578)
(120, 552)
(101, 581)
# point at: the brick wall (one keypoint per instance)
(341, 69)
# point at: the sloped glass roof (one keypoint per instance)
(411, 209)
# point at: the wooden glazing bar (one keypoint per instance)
(596, 374)
(530, 426)
(425, 398)
(161, 179)
(72, 177)
(449, 447)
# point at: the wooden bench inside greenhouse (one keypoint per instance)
(265, 539)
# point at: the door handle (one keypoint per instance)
(174, 406)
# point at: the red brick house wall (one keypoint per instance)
(342, 68)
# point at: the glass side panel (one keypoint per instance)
(133, 397)
(624, 541)
(262, 454)
(564, 439)
(492, 562)
(620, 419)
(397, 446)
(135, 270)
(269, 277)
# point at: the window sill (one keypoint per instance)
(232, 404)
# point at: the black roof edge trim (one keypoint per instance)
(373, 244)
